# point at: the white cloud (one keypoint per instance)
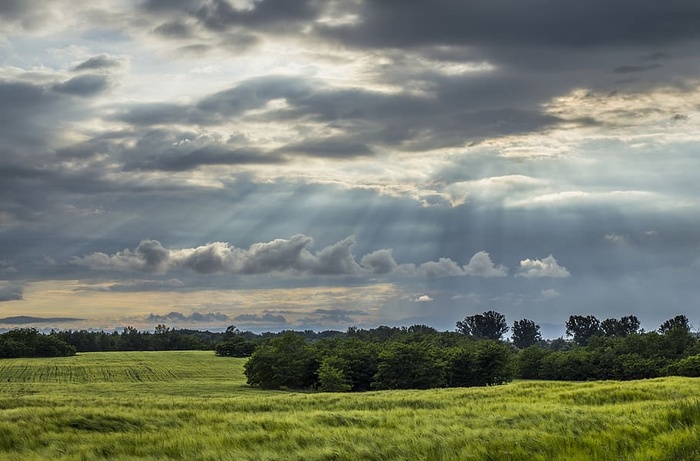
(494, 188)
(482, 266)
(423, 299)
(547, 267)
(549, 293)
(616, 238)
(444, 267)
(282, 256)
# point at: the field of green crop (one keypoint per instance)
(196, 406)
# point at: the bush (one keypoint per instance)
(689, 366)
(331, 377)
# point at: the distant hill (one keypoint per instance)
(25, 320)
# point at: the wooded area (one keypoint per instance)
(415, 357)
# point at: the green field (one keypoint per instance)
(194, 405)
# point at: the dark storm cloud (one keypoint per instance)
(502, 101)
(102, 61)
(635, 69)
(84, 85)
(456, 112)
(16, 96)
(529, 23)
(418, 23)
(161, 6)
(10, 291)
(31, 177)
(24, 110)
(174, 29)
(217, 156)
(159, 114)
(29, 320)
(15, 8)
(434, 74)
(165, 149)
(254, 93)
(246, 96)
(278, 14)
(27, 14)
(237, 29)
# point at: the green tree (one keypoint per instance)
(489, 325)
(525, 333)
(582, 328)
(529, 362)
(331, 377)
(235, 346)
(28, 342)
(625, 326)
(410, 366)
(359, 361)
(481, 363)
(689, 366)
(284, 362)
(493, 363)
(461, 365)
(679, 322)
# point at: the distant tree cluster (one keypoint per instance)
(235, 344)
(615, 349)
(130, 339)
(28, 342)
(232, 342)
(418, 357)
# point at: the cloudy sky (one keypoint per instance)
(320, 164)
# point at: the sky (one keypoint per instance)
(277, 164)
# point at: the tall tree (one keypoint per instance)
(526, 333)
(625, 326)
(679, 322)
(489, 325)
(582, 328)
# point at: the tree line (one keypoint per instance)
(419, 356)
(29, 342)
(475, 354)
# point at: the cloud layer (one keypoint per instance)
(462, 144)
(291, 256)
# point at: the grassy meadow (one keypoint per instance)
(196, 406)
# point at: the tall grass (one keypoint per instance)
(193, 405)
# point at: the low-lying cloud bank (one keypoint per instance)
(292, 256)
(195, 317)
